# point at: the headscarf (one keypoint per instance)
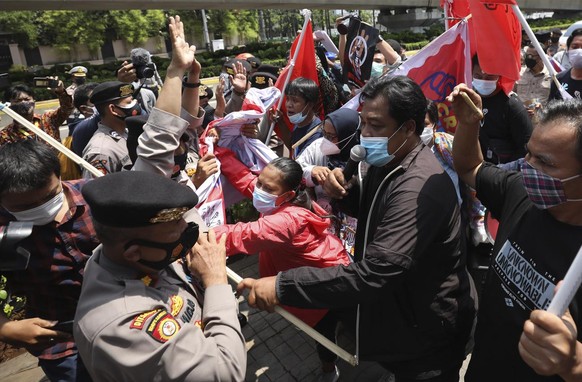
(346, 122)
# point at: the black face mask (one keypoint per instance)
(129, 111)
(530, 62)
(79, 80)
(23, 108)
(555, 39)
(174, 251)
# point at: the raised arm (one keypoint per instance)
(467, 156)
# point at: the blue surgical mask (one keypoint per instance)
(263, 201)
(297, 118)
(377, 69)
(484, 87)
(377, 149)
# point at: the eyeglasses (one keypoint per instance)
(328, 136)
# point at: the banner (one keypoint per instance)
(359, 52)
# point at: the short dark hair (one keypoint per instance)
(83, 93)
(304, 88)
(13, 91)
(569, 111)
(26, 166)
(406, 100)
(576, 32)
(432, 111)
(475, 61)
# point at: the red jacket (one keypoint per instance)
(289, 237)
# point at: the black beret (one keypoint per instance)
(111, 91)
(274, 70)
(260, 80)
(137, 199)
(254, 61)
(230, 63)
(205, 92)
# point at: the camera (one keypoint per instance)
(144, 71)
(13, 257)
(45, 82)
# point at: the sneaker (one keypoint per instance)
(332, 376)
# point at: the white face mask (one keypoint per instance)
(328, 147)
(484, 87)
(263, 201)
(426, 135)
(43, 214)
(575, 58)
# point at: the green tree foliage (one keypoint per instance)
(20, 23)
(137, 26)
(63, 29)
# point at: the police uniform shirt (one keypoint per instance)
(106, 151)
(532, 86)
(131, 329)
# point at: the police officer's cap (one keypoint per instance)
(78, 71)
(111, 91)
(229, 65)
(137, 199)
(205, 92)
(260, 80)
(254, 61)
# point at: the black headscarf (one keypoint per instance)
(346, 122)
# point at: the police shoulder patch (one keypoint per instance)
(163, 327)
(140, 320)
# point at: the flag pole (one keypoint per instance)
(536, 44)
(331, 346)
(307, 14)
(53, 142)
(446, 9)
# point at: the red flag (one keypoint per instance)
(456, 10)
(439, 67)
(497, 36)
(304, 67)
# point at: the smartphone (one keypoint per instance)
(64, 326)
(45, 82)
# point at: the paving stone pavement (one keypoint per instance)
(277, 350)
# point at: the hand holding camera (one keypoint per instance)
(52, 83)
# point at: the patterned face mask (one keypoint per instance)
(543, 190)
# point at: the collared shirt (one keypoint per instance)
(107, 151)
(531, 86)
(48, 122)
(59, 251)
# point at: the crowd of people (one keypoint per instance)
(126, 280)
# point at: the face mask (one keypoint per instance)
(130, 110)
(426, 135)
(543, 190)
(24, 108)
(329, 148)
(263, 201)
(174, 251)
(555, 39)
(575, 58)
(377, 149)
(43, 214)
(297, 118)
(530, 62)
(79, 80)
(377, 70)
(484, 87)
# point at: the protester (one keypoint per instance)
(555, 35)
(21, 99)
(533, 86)
(61, 243)
(563, 56)
(409, 272)
(127, 73)
(151, 287)
(301, 101)
(571, 79)
(506, 127)
(82, 103)
(540, 231)
(340, 133)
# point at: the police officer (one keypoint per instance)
(155, 303)
(78, 77)
(107, 149)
